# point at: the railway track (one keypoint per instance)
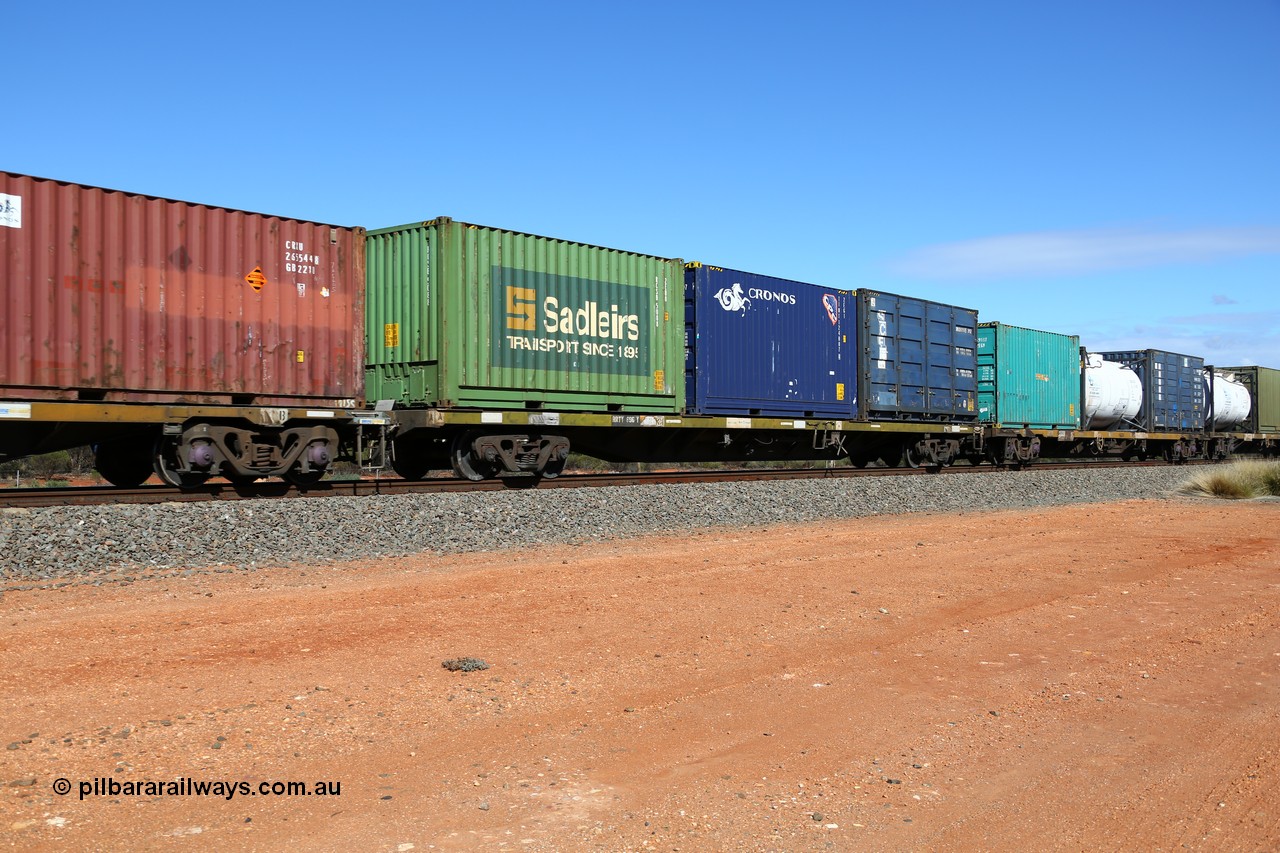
(29, 497)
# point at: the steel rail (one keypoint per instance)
(29, 497)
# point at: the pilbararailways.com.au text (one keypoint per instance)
(188, 787)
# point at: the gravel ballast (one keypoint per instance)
(52, 546)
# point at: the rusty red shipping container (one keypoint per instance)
(115, 296)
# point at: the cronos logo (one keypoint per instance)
(733, 298)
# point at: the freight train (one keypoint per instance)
(193, 341)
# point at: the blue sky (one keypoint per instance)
(1097, 168)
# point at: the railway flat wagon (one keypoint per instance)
(469, 318)
(176, 336)
(759, 345)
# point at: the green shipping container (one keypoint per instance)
(1264, 393)
(1028, 379)
(465, 316)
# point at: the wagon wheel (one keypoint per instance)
(165, 464)
(466, 464)
(860, 459)
(125, 464)
(409, 461)
(911, 458)
(552, 469)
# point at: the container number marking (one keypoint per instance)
(297, 260)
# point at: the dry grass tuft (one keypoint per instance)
(1235, 481)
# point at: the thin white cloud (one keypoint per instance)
(1221, 299)
(1048, 253)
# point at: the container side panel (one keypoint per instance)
(1268, 399)
(988, 358)
(132, 298)
(917, 359)
(402, 323)
(769, 346)
(1172, 388)
(516, 320)
(953, 382)
(1028, 379)
(878, 342)
(691, 397)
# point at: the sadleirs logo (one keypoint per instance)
(544, 321)
(521, 304)
(589, 319)
(731, 298)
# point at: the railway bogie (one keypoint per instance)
(188, 454)
(480, 456)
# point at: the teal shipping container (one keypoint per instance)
(1028, 379)
(466, 316)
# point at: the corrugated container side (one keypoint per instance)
(1264, 392)
(758, 345)
(468, 316)
(916, 359)
(1028, 379)
(1172, 388)
(115, 296)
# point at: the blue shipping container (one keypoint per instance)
(1172, 388)
(758, 345)
(917, 359)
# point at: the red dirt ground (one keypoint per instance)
(1080, 678)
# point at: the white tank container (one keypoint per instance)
(1112, 393)
(1231, 403)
